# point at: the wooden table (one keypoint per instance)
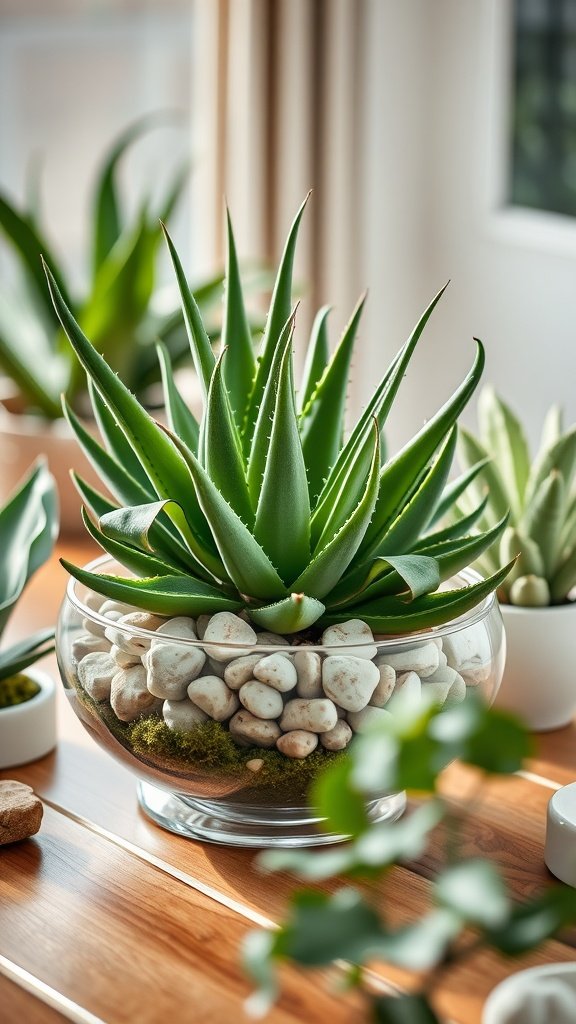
(105, 917)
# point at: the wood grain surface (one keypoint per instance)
(129, 923)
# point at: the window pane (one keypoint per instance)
(543, 165)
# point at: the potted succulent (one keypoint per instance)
(28, 529)
(269, 587)
(122, 310)
(536, 598)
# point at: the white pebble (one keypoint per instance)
(265, 639)
(352, 633)
(171, 667)
(349, 681)
(94, 601)
(212, 695)
(95, 673)
(368, 717)
(130, 642)
(182, 715)
(261, 700)
(308, 666)
(276, 671)
(247, 730)
(297, 743)
(337, 738)
(115, 609)
(181, 626)
(423, 659)
(468, 651)
(240, 670)
(228, 629)
(457, 692)
(385, 687)
(122, 659)
(86, 643)
(310, 715)
(129, 695)
(202, 625)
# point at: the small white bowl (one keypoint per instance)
(28, 730)
(536, 995)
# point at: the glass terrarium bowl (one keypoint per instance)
(197, 720)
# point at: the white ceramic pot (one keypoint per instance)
(536, 995)
(539, 681)
(22, 439)
(28, 730)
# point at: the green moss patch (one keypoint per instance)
(17, 690)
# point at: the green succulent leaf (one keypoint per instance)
(488, 481)
(115, 440)
(419, 574)
(317, 356)
(20, 656)
(328, 564)
(533, 922)
(240, 365)
(223, 455)
(335, 798)
(403, 1009)
(25, 343)
(200, 346)
(180, 418)
(283, 516)
(454, 490)
(544, 518)
(163, 595)
(295, 612)
(459, 528)
(502, 435)
(322, 417)
(258, 454)
(475, 891)
(141, 563)
(561, 457)
(278, 314)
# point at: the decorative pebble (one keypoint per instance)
(171, 667)
(349, 681)
(94, 601)
(20, 812)
(129, 642)
(353, 632)
(255, 764)
(248, 731)
(202, 625)
(227, 628)
(457, 692)
(385, 688)
(114, 610)
(212, 695)
(423, 659)
(298, 743)
(337, 738)
(310, 715)
(409, 685)
(265, 639)
(181, 626)
(308, 665)
(277, 671)
(95, 673)
(129, 695)
(261, 700)
(86, 643)
(122, 659)
(365, 719)
(468, 651)
(240, 670)
(182, 715)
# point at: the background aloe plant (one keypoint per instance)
(28, 529)
(540, 495)
(120, 310)
(263, 505)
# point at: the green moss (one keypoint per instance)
(17, 690)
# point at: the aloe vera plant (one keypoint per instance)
(120, 310)
(263, 505)
(540, 495)
(28, 529)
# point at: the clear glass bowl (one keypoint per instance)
(175, 711)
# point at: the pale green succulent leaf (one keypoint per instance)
(333, 492)
(544, 518)
(562, 457)
(117, 444)
(564, 578)
(163, 595)
(26, 344)
(416, 513)
(28, 529)
(278, 314)
(258, 454)
(181, 419)
(200, 346)
(21, 655)
(331, 561)
(323, 416)
(529, 561)
(223, 455)
(394, 615)
(317, 356)
(295, 612)
(503, 436)
(141, 563)
(246, 563)
(283, 516)
(240, 365)
(552, 428)
(487, 481)
(455, 489)
(414, 456)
